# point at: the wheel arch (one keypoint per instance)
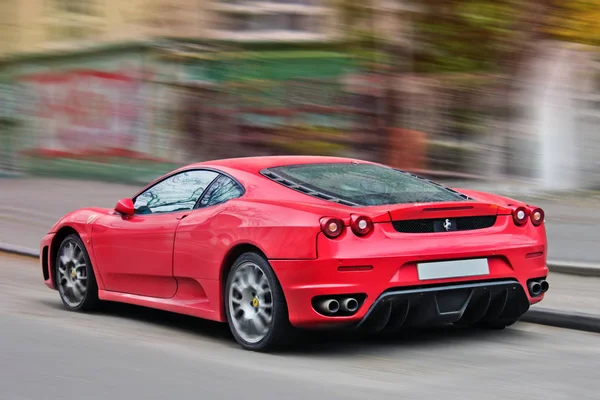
(232, 255)
(59, 236)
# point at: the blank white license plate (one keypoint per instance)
(453, 269)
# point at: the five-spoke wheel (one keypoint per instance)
(75, 278)
(255, 305)
(251, 302)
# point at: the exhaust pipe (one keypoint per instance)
(350, 304)
(544, 286)
(330, 306)
(535, 288)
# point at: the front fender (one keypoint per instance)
(82, 218)
(81, 221)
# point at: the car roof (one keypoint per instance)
(256, 164)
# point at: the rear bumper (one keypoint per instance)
(466, 303)
(391, 287)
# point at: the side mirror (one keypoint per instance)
(125, 207)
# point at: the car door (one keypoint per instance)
(204, 236)
(135, 253)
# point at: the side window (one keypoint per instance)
(177, 193)
(220, 191)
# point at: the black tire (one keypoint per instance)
(281, 333)
(90, 299)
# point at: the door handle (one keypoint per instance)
(182, 217)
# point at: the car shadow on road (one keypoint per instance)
(164, 319)
(320, 342)
(411, 338)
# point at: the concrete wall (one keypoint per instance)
(91, 113)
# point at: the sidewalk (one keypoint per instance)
(572, 294)
(30, 206)
(573, 302)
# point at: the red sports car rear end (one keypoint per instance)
(414, 261)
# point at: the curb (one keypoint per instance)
(574, 268)
(20, 251)
(560, 319)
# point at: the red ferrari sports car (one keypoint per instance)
(267, 244)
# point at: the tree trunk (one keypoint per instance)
(522, 49)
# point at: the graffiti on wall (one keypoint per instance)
(85, 109)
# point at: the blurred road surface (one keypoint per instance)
(130, 352)
(29, 207)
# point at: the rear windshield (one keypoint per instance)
(366, 184)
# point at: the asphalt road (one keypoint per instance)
(135, 353)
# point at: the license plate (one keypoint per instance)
(453, 269)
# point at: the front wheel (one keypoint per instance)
(75, 278)
(255, 305)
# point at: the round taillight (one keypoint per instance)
(361, 225)
(332, 227)
(537, 216)
(520, 215)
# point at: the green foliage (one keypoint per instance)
(470, 35)
(358, 22)
(464, 35)
(575, 21)
(313, 147)
(9, 122)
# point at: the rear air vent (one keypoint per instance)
(429, 225)
(304, 189)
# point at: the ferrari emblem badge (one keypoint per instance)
(91, 218)
(447, 225)
(255, 302)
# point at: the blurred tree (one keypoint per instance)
(490, 37)
(357, 20)
(474, 35)
(496, 37)
(372, 29)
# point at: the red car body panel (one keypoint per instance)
(177, 261)
(79, 221)
(135, 254)
(388, 259)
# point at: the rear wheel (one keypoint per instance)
(255, 305)
(75, 278)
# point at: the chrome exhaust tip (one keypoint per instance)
(544, 285)
(330, 306)
(350, 304)
(535, 288)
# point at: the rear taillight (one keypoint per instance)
(520, 215)
(361, 225)
(537, 216)
(332, 227)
